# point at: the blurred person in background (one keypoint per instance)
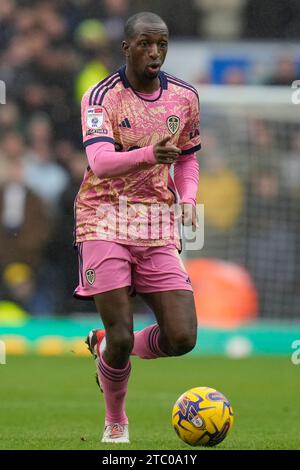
(24, 223)
(20, 286)
(64, 151)
(59, 102)
(286, 71)
(271, 242)
(219, 182)
(21, 58)
(52, 22)
(263, 151)
(12, 147)
(93, 42)
(7, 12)
(61, 253)
(219, 19)
(43, 175)
(234, 76)
(290, 166)
(115, 13)
(9, 117)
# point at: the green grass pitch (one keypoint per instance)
(54, 403)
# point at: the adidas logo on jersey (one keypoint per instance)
(125, 123)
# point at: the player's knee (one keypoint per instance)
(182, 343)
(121, 342)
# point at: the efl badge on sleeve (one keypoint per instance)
(94, 118)
(173, 123)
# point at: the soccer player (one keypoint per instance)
(137, 123)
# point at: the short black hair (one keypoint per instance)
(147, 16)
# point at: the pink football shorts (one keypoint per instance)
(107, 265)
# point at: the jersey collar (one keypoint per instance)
(162, 78)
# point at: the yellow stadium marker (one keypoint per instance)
(78, 347)
(15, 345)
(50, 346)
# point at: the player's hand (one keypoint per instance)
(165, 153)
(189, 215)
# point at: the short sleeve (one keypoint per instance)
(96, 123)
(189, 140)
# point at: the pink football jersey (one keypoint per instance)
(127, 208)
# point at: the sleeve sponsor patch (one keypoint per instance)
(94, 118)
(97, 131)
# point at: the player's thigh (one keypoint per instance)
(103, 266)
(159, 269)
(175, 312)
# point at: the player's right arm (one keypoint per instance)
(105, 162)
(99, 142)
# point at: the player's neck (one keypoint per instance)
(147, 86)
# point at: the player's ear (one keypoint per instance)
(125, 47)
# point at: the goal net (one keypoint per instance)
(250, 187)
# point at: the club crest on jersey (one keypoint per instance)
(94, 118)
(90, 276)
(173, 123)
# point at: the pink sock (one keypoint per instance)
(146, 343)
(114, 384)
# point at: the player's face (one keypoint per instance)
(147, 50)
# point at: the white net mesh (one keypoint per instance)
(250, 185)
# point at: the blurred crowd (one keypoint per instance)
(51, 51)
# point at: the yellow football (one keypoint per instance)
(202, 416)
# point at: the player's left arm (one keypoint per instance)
(186, 177)
(186, 168)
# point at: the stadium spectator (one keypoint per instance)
(64, 151)
(20, 287)
(42, 174)
(61, 254)
(219, 182)
(12, 148)
(290, 167)
(7, 10)
(93, 42)
(9, 117)
(24, 224)
(234, 76)
(115, 13)
(285, 73)
(220, 19)
(271, 242)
